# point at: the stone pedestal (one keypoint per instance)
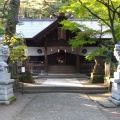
(115, 95)
(6, 88)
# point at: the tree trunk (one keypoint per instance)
(10, 30)
(97, 76)
(12, 17)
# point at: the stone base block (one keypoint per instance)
(4, 76)
(2, 82)
(5, 87)
(115, 96)
(116, 102)
(113, 80)
(117, 75)
(116, 85)
(7, 102)
(6, 91)
(6, 96)
(115, 90)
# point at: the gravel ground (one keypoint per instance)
(58, 106)
(7, 112)
(61, 106)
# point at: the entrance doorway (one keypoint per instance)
(61, 57)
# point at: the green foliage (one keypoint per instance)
(97, 79)
(99, 52)
(3, 12)
(41, 8)
(117, 31)
(15, 40)
(81, 39)
(105, 52)
(72, 26)
(27, 77)
(17, 47)
(12, 99)
(18, 54)
(1, 31)
(108, 12)
(84, 35)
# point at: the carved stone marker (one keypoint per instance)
(115, 95)
(6, 83)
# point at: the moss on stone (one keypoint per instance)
(12, 99)
(97, 79)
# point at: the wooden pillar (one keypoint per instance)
(46, 59)
(77, 59)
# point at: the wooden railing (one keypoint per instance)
(36, 67)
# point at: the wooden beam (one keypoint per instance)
(77, 60)
(46, 59)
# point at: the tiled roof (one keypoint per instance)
(31, 27)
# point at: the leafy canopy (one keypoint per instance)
(84, 35)
(106, 11)
(108, 14)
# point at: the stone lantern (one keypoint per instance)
(115, 95)
(6, 83)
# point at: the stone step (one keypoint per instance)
(87, 90)
(66, 91)
(61, 75)
(61, 69)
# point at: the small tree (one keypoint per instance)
(108, 14)
(84, 37)
(17, 54)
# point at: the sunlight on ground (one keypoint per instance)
(62, 82)
(89, 105)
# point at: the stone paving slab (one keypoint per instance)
(70, 82)
(106, 103)
(61, 106)
(102, 99)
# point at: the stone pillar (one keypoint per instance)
(115, 95)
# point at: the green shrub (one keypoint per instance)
(26, 77)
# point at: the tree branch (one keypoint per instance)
(117, 12)
(95, 14)
(106, 4)
(4, 8)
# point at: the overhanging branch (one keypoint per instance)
(94, 14)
